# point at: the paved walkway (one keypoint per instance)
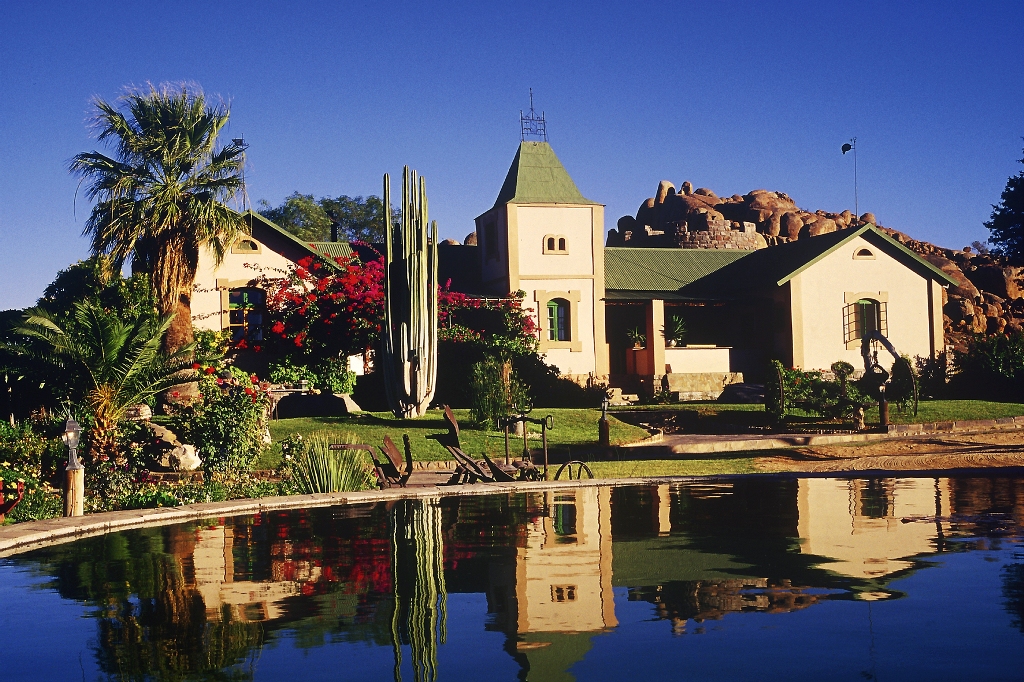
(671, 445)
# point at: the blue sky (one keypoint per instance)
(732, 96)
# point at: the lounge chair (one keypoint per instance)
(468, 470)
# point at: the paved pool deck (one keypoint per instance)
(674, 445)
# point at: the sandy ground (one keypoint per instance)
(936, 451)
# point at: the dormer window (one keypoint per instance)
(246, 246)
(863, 254)
(556, 244)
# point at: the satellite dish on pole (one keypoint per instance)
(847, 147)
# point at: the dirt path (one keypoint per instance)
(997, 449)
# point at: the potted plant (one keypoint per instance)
(674, 331)
(637, 337)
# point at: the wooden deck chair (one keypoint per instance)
(503, 474)
(394, 471)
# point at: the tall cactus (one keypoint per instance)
(409, 337)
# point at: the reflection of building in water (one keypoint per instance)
(214, 571)
(556, 592)
(858, 522)
(564, 572)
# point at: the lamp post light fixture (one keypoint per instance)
(74, 474)
(603, 427)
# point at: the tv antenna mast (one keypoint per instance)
(532, 125)
(852, 146)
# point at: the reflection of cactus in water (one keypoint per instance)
(417, 554)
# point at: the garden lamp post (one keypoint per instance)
(603, 430)
(883, 409)
(74, 475)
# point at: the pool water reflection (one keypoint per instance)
(778, 578)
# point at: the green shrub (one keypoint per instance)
(992, 368)
(774, 393)
(228, 423)
(334, 376)
(23, 448)
(40, 501)
(331, 375)
(284, 371)
(497, 392)
(313, 467)
(902, 388)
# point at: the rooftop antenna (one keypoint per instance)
(243, 145)
(532, 125)
(852, 146)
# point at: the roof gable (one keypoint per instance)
(536, 176)
(292, 247)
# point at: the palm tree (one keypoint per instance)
(160, 199)
(111, 363)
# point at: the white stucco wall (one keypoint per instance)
(819, 297)
(574, 223)
(567, 361)
(206, 299)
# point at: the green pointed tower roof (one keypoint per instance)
(536, 176)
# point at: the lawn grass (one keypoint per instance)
(949, 410)
(928, 411)
(572, 428)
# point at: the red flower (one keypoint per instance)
(175, 394)
(277, 328)
(210, 370)
(253, 379)
(196, 365)
(242, 343)
(248, 391)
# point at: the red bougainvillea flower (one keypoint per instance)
(248, 391)
(210, 370)
(196, 365)
(253, 379)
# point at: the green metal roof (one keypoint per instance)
(333, 249)
(712, 273)
(644, 269)
(776, 265)
(536, 176)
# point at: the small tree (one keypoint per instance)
(1007, 221)
(113, 364)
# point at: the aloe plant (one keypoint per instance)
(409, 336)
(318, 469)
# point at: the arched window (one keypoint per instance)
(864, 316)
(558, 320)
(246, 246)
(555, 244)
(863, 254)
(246, 309)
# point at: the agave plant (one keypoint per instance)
(112, 363)
(318, 469)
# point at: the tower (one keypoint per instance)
(544, 237)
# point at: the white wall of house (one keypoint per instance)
(821, 292)
(238, 269)
(576, 275)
